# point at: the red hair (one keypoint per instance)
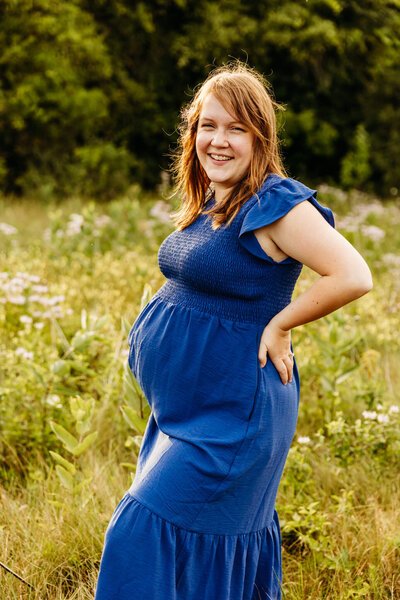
(245, 93)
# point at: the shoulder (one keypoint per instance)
(275, 185)
(278, 195)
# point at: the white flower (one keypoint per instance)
(394, 409)
(383, 418)
(39, 325)
(75, 224)
(47, 234)
(303, 439)
(40, 289)
(8, 229)
(373, 232)
(369, 414)
(54, 400)
(379, 407)
(20, 351)
(102, 220)
(25, 319)
(391, 259)
(16, 299)
(161, 211)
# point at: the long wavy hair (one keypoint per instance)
(245, 93)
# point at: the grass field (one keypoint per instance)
(73, 278)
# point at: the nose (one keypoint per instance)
(219, 138)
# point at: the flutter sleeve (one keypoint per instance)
(272, 204)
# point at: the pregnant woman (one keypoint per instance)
(212, 353)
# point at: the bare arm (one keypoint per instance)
(305, 235)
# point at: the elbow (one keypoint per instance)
(360, 284)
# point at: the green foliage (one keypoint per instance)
(72, 476)
(54, 106)
(90, 92)
(356, 169)
(72, 415)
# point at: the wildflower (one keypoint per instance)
(379, 407)
(39, 325)
(161, 211)
(394, 409)
(391, 259)
(383, 418)
(54, 400)
(35, 298)
(75, 224)
(303, 439)
(102, 221)
(40, 289)
(16, 299)
(8, 229)
(25, 319)
(20, 351)
(369, 414)
(373, 232)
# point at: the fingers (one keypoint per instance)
(263, 357)
(288, 369)
(284, 366)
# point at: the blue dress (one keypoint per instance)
(199, 521)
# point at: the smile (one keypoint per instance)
(221, 157)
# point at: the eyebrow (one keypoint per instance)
(205, 118)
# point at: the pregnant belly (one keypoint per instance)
(195, 368)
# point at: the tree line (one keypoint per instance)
(90, 90)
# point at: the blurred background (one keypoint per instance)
(90, 90)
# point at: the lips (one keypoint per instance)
(222, 158)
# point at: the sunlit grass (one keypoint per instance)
(338, 500)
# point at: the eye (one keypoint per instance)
(206, 125)
(238, 129)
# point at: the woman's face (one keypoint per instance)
(224, 146)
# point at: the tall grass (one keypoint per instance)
(73, 279)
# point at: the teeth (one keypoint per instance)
(221, 158)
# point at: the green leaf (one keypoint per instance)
(101, 322)
(128, 465)
(81, 341)
(65, 477)
(146, 296)
(69, 441)
(347, 373)
(133, 385)
(133, 419)
(36, 374)
(125, 325)
(78, 366)
(64, 342)
(61, 368)
(84, 445)
(63, 462)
